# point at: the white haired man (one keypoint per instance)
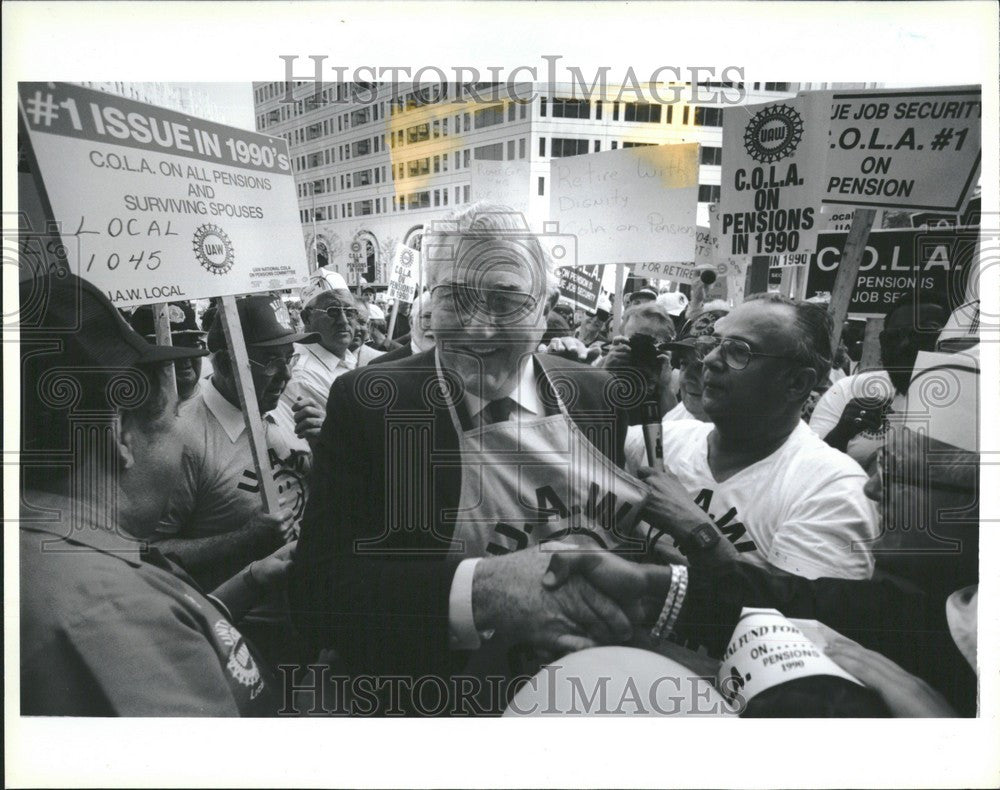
(437, 474)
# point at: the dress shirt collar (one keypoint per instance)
(525, 394)
(230, 417)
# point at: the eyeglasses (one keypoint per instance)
(735, 353)
(350, 313)
(494, 302)
(276, 365)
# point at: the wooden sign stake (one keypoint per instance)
(871, 351)
(248, 402)
(619, 297)
(847, 273)
(161, 321)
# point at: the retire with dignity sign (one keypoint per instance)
(164, 206)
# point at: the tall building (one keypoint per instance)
(375, 163)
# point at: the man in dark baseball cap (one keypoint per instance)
(184, 333)
(107, 626)
(215, 522)
(687, 354)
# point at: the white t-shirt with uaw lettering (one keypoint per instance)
(801, 510)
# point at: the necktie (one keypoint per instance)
(498, 411)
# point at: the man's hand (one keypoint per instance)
(668, 506)
(281, 521)
(274, 567)
(508, 596)
(573, 349)
(861, 414)
(309, 417)
(638, 589)
(905, 695)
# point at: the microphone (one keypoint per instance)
(652, 432)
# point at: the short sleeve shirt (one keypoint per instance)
(314, 373)
(801, 509)
(112, 632)
(219, 491)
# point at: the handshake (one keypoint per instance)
(560, 598)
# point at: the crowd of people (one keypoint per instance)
(477, 497)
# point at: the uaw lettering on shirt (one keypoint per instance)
(289, 475)
(596, 518)
(727, 523)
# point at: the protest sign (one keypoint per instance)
(628, 205)
(403, 280)
(504, 183)
(898, 262)
(164, 206)
(581, 285)
(916, 149)
(772, 170)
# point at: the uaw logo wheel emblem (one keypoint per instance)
(213, 249)
(773, 133)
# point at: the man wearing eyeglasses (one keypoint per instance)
(438, 474)
(214, 522)
(782, 497)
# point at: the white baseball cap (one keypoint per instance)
(673, 302)
(322, 280)
(375, 312)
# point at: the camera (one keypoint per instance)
(644, 349)
(706, 274)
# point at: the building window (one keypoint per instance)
(521, 146)
(361, 148)
(597, 146)
(437, 129)
(466, 122)
(524, 111)
(565, 146)
(419, 167)
(361, 116)
(444, 196)
(707, 116)
(570, 108)
(492, 153)
(614, 111)
(420, 200)
(510, 150)
(458, 162)
(636, 145)
(362, 178)
(541, 185)
(437, 164)
(686, 115)
(598, 110)
(489, 116)
(458, 126)
(670, 113)
(363, 208)
(465, 158)
(614, 144)
(465, 194)
(711, 155)
(418, 133)
(314, 160)
(437, 198)
(511, 110)
(641, 112)
(541, 146)
(775, 86)
(444, 162)
(709, 193)
(545, 104)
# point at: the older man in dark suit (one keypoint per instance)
(438, 476)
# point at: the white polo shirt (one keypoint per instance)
(315, 371)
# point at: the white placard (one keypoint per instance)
(772, 170)
(403, 280)
(628, 205)
(916, 149)
(160, 205)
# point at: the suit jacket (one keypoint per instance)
(391, 356)
(373, 570)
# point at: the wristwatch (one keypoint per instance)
(702, 538)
